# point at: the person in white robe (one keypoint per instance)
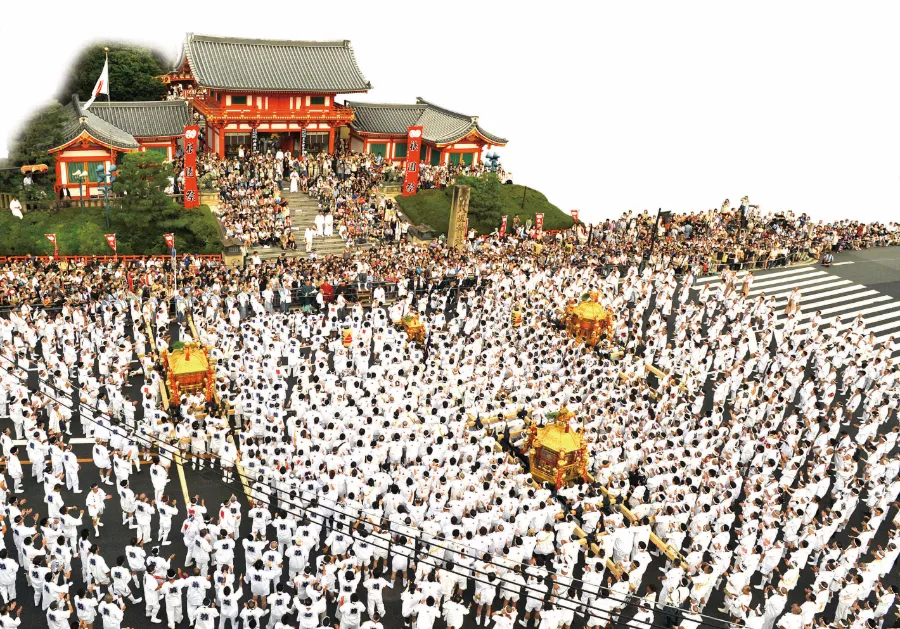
(16, 208)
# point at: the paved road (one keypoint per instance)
(867, 281)
(861, 282)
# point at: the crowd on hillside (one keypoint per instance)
(348, 188)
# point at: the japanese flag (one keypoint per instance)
(102, 86)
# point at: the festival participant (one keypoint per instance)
(96, 503)
(686, 458)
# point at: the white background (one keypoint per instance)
(607, 106)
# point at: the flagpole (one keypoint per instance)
(106, 50)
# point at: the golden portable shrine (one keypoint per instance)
(556, 452)
(414, 327)
(588, 321)
(189, 368)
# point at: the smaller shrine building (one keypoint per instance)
(449, 137)
(99, 136)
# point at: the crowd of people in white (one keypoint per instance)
(765, 461)
(348, 188)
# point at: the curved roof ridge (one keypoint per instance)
(259, 41)
(82, 120)
(357, 103)
(278, 65)
(422, 101)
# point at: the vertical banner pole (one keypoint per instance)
(413, 151)
(191, 194)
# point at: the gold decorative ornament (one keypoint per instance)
(189, 368)
(556, 452)
(588, 321)
(414, 328)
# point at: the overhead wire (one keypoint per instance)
(172, 450)
(420, 556)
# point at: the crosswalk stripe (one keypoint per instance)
(853, 312)
(810, 292)
(884, 337)
(814, 300)
(808, 313)
(884, 317)
(828, 294)
(817, 296)
(856, 306)
(763, 274)
(886, 326)
(787, 288)
(786, 280)
(74, 441)
(842, 263)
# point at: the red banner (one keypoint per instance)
(539, 222)
(575, 215)
(503, 226)
(111, 241)
(191, 194)
(52, 238)
(413, 150)
(170, 240)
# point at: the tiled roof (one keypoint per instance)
(147, 118)
(384, 118)
(441, 126)
(274, 65)
(80, 120)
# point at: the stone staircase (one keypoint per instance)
(303, 211)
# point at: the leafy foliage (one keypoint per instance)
(208, 182)
(84, 234)
(485, 201)
(43, 131)
(489, 201)
(131, 73)
(145, 207)
(142, 179)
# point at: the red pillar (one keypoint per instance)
(58, 186)
(221, 149)
(331, 139)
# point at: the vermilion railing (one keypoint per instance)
(215, 112)
(131, 258)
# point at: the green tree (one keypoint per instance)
(43, 131)
(141, 182)
(132, 72)
(485, 200)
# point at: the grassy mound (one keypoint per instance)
(432, 207)
(78, 234)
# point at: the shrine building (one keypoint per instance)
(448, 137)
(261, 95)
(103, 133)
(268, 94)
